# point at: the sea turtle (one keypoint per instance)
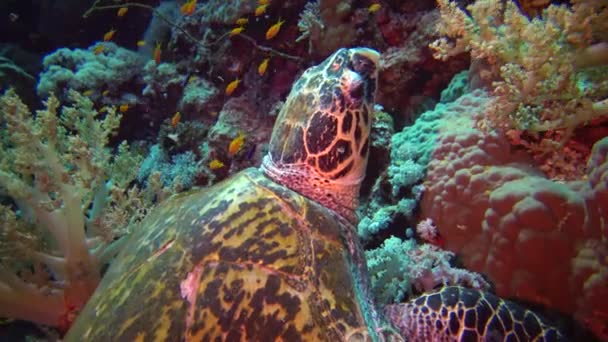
(272, 254)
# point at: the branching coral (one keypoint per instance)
(69, 205)
(552, 69)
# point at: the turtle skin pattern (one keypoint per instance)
(319, 145)
(246, 260)
(460, 314)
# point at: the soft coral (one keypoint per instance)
(54, 168)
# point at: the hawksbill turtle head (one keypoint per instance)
(319, 143)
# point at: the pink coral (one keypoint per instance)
(507, 220)
(427, 230)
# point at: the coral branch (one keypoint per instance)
(54, 166)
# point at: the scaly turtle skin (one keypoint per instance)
(270, 254)
(460, 314)
(250, 259)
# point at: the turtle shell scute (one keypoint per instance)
(247, 259)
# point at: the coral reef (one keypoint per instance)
(69, 202)
(547, 73)
(115, 69)
(400, 268)
(508, 221)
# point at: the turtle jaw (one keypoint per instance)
(319, 144)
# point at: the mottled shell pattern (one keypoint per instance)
(319, 145)
(250, 259)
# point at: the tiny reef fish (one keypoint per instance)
(242, 21)
(231, 87)
(216, 164)
(236, 144)
(188, 7)
(122, 11)
(237, 30)
(123, 108)
(141, 43)
(373, 8)
(109, 35)
(263, 66)
(98, 49)
(261, 9)
(105, 92)
(88, 93)
(274, 29)
(157, 53)
(263, 2)
(175, 119)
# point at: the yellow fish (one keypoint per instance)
(237, 30)
(373, 8)
(157, 53)
(123, 108)
(188, 7)
(88, 93)
(175, 119)
(98, 49)
(274, 29)
(242, 21)
(261, 9)
(192, 79)
(216, 164)
(263, 2)
(141, 43)
(122, 11)
(105, 92)
(236, 144)
(231, 87)
(109, 35)
(263, 66)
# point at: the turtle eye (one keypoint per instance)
(362, 65)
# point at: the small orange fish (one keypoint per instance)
(274, 29)
(122, 11)
(237, 30)
(188, 7)
(123, 108)
(263, 66)
(157, 53)
(175, 119)
(216, 164)
(192, 79)
(109, 35)
(98, 49)
(263, 2)
(141, 43)
(242, 21)
(373, 8)
(236, 144)
(231, 87)
(261, 9)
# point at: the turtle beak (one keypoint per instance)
(370, 54)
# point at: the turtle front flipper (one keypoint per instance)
(460, 314)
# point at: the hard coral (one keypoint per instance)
(507, 220)
(54, 166)
(83, 70)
